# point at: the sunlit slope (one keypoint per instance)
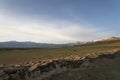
(12, 56)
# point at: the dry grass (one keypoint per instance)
(15, 56)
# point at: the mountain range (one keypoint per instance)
(27, 44)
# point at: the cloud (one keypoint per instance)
(23, 28)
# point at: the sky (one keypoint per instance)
(58, 21)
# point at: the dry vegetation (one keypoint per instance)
(13, 56)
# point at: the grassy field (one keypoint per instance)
(16, 56)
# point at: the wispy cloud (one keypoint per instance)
(23, 28)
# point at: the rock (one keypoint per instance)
(77, 58)
(32, 68)
(16, 66)
(1, 73)
(1, 66)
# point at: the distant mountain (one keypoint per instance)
(112, 38)
(108, 39)
(15, 44)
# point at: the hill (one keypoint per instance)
(108, 39)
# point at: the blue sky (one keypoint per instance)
(58, 21)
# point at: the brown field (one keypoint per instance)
(16, 56)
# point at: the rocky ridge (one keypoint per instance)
(44, 69)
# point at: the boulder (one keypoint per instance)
(32, 68)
